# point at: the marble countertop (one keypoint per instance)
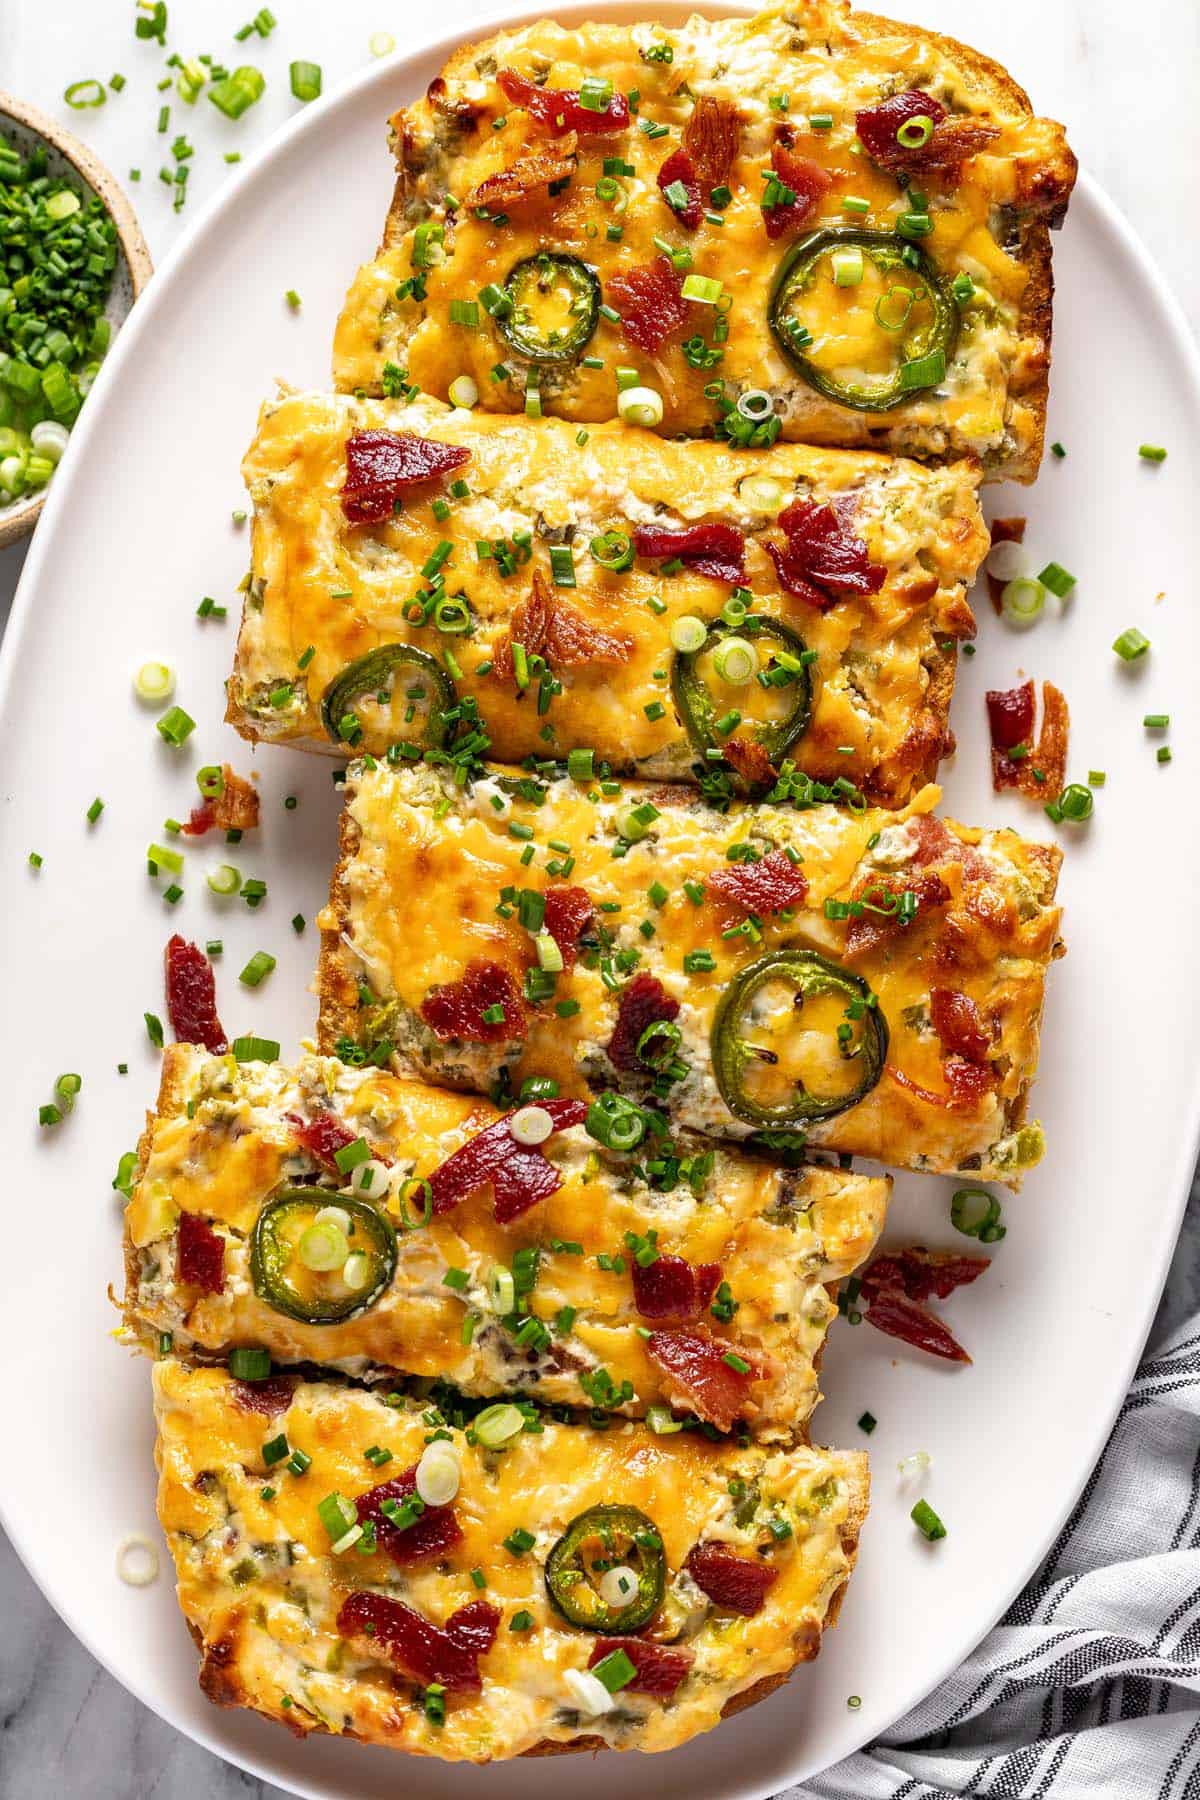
(1122, 78)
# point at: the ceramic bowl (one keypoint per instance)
(25, 127)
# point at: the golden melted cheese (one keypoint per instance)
(259, 1585)
(885, 662)
(222, 1143)
(778, 69)
(416, 900)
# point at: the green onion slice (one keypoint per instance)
(1021, 601)
(976, 1213)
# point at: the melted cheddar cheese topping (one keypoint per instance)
(259, 1584)
(778, 70)
(415, 901)
(222, 1142)
(884, 662)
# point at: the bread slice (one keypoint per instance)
(263, 1589)
(739, 97)
(228, 1138)
(938, 996)
(326, 592)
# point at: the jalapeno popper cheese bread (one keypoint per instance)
(339, 1216)
(866, 982)
(594, 596)
(810, 222)
(573, 1589)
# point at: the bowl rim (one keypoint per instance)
(95, 175)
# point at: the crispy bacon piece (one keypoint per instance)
(569, 911)
(952, 142)
(967, 1082)
(870, 930)
(922, 1274)
(680, 167)
(660, 1669)
(1040, 774)
(235, 808)
(520, 1174)
(696, 1362)
(322, 1136)
(650, 301)
(274, 1395)
(750, 759)
(821, 561)
(643, 1001)
(448, 1653)
(715, 549)
(200, 1254)
(526, 178)
(381, 466)
(456, 1010)
(766, 886)
(192, 997)
(806, 179)
(672, 1288)
(1010, 716)
(435, 1531)
(898, 1317)
(957, 1021)
(474, 1626)
(551, 627)
(898, 1283)
(735, 1583)
(963, 1089)
(712, 138)
(557, 110)
(935, 842)
(1004, 531)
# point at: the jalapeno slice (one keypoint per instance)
(768, 1080)
(915, 314)
(291, 1263)
(782, 682)
(554, 308)
(602, 1538)
(375, 675)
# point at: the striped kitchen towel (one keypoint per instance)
(1090, 1684)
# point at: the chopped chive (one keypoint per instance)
(352, 1156)
(175, 726)
(1059, 580)
(257, 969)
(927, 1521)
(1131, 644)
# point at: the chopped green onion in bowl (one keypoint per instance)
(58, 257)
